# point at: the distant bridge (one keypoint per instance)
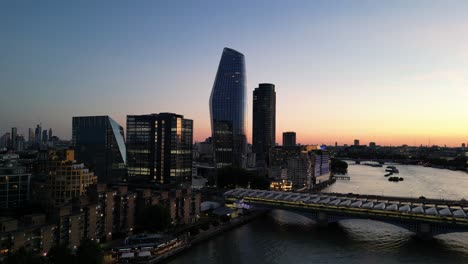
(424, 219)
(382, 161)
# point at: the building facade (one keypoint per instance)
(289, 139)
(264, 120)
(304, 166)
(45, 136)
(159, 148)
(37, 134)
(14, 136)
(31, 232)
(14, 186)
(31, 137)
(228, 110)
(70, 180)
(99, 143)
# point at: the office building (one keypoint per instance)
(321, 161)
(289, 139)
(5, 140)
(264, 120)
(14, 135)
(159, 148)
(372, 145)
(19, 143)
(356, 142)
(50, 134)
(68, 180)
(14, 185)
(37, 134)
(303, 166)
(31, 137)
(45, 137)
(99, 144)
(228, 110)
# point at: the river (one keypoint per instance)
(283, 237)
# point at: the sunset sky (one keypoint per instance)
(393, 72)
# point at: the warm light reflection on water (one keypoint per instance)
(283, 237)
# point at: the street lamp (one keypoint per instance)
(411, 190)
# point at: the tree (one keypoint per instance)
(338, 166)
(61, 254)
(22, 256)
(232, 177)
(89, 252)
(154, 218)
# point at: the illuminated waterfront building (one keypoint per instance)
(159, 148)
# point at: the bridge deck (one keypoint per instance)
(447, 213)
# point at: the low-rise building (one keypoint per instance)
(31, 232)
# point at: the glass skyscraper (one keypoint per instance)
(264, 120)
(99, 144)
(159, 148)
(228, 109)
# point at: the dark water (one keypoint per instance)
(283, 237)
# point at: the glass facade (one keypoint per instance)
(228, 109)
(264, 120)
(14, 187)
(159, 148)
(99, 143)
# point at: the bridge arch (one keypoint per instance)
(424, 218)
(421, 229)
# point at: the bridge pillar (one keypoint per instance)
(322, 218)
(424, 230)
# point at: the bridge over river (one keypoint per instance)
(425, 219)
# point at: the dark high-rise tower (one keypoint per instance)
(14, 135)
(31, 137)
(228, 109)
(264, 120)
(99, 143)
(44, 136)
(37, 134)
(289, 139)
(159, 148)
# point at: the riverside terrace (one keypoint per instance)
(422, 218)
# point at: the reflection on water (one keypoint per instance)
(283, 237)
(418, 180)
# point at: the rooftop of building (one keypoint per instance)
(226, 49)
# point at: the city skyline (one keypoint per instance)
(392, 73)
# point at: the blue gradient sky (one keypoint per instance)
(393, 72)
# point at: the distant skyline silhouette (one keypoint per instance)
(391, 72)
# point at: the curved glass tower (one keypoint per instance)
(228, 109)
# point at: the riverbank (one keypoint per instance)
(206, 235)
(320, 186)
